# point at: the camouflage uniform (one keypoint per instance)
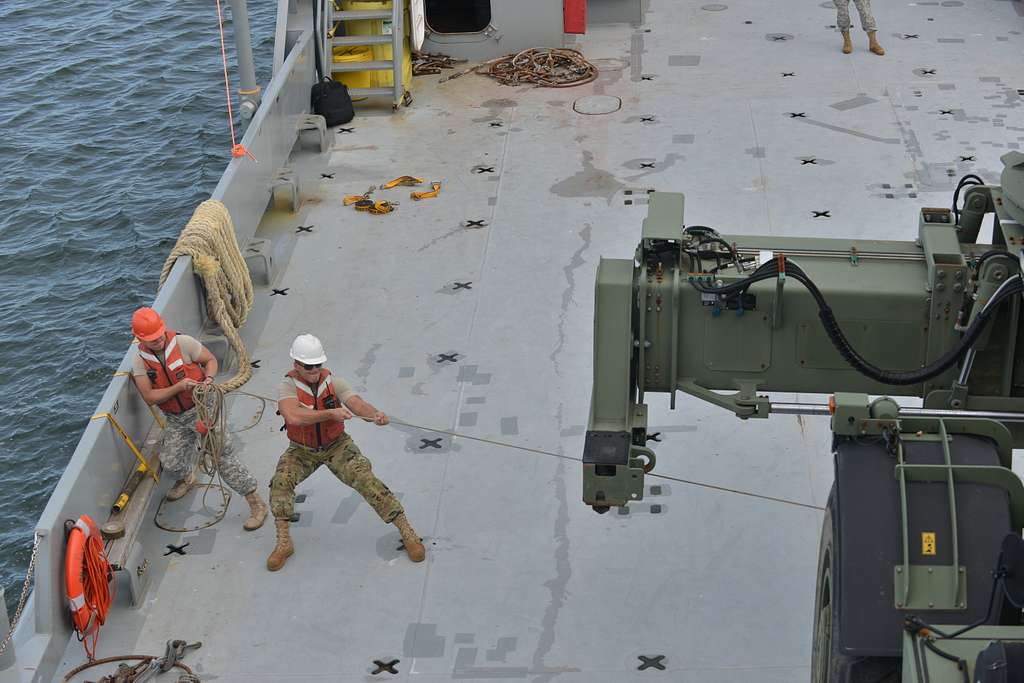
(179, 453)
(347, 463)
(867, 21)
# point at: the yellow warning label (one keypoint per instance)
(927, 542)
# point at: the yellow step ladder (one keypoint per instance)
(353, 62)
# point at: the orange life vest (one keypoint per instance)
(319, 396)
(169, 370)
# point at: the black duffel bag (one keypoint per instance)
(330, 99)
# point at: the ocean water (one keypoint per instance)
(113, 127)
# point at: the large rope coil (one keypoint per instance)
(542, 66)
(209, 238)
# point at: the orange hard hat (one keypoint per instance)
(147, 324)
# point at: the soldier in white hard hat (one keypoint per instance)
(315, 405)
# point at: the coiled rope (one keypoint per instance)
(544, 66)
(209, 238)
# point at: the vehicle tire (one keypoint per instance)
(828, 663)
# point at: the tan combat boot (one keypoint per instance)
(284, 548)
(413, 545)
(847, 43)
(257, 511)
(181, 487)
(873, 44)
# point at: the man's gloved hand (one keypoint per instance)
(380, 418)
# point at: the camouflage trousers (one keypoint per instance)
(179, 453)
(347, 463)
(867, 21)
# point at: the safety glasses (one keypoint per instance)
(311, 366)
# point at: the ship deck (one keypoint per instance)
(729, 105)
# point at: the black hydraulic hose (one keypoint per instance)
(835, 334)
(992, 253)
(903, 378)
(961, 664)
(967, 180)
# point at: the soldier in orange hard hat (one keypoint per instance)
(168, 367)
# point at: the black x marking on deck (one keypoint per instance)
(255, 363)
(304, 228)
(646, 119)
(821, 214)
(282, 292)
(786, 74)
(927, 72)
(797, 115)
(966, 158)
(476, 224)
(464, 285)
(346, 130)
(176, 549)
(484, 169)
(945, 111)
(329, 176)
(779, 38)
(450, 357)
(430, 443)
(811, 160)
(385, 666)
(910, 36)
(648, 77)
(652, 662)
(495, 124)
(650, 165)
(654, 436)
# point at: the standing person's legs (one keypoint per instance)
(843, 23)
(178, 454)
(240, 479)
(867, 22)
(293, 467)
(352, 467)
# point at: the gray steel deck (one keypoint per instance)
(523, 581)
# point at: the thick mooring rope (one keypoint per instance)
(209, 238)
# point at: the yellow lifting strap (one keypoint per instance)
(402, 180)
(380, 207)
(131, 444)
(436, 190)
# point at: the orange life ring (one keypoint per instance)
(89, 601)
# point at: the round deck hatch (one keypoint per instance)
(597, 104)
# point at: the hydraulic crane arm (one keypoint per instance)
(726, 318)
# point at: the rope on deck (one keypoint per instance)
(209, 238)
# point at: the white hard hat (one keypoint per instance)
(307, 349)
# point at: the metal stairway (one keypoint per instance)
(396, 39)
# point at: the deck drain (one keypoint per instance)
(714, 7)
(593, 105)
